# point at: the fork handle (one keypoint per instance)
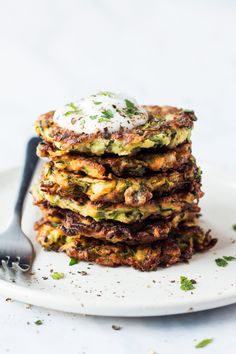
(28, 169)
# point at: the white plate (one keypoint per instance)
(125, 291)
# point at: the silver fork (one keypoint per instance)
(16, 250)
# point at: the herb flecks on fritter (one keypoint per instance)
(121, 186)
(107, 167)
(166, 127)
(73, 224)
(164, 206)
(178, 247)
(131, 191)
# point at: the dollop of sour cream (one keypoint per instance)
(105, 111)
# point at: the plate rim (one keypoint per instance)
(45, 300)
(110, 309)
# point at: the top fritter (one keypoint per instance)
(116, 124)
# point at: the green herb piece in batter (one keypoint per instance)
(186, 284)
(234, 227)
(199, 173)
(38, 322)
(204, 343)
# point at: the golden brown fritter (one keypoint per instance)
(167, 126)
(130, 191)
(107, 167)
(160, 207)
(73, 224)
(178, 247)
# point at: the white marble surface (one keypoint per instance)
(165, 52)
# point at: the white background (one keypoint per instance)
(179, 53)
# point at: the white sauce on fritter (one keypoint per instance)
(105, 111)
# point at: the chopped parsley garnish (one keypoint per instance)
(68, 113)
(57, 275)
(97, 102)
(229, 258)
(38, 322)
(204, 343)
(223, 262)
(107, 114)
(54, 224)
(234, 227)
(73, 261)
(186, 284)
(101, 120)
(131, 108)
(73, 109)
(72, 106)
(106, 93)
(93, 117)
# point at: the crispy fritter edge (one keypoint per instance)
(73, 224)
(158, 131)
(121, 166)
(178, 247)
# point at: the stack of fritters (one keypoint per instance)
(124, 198)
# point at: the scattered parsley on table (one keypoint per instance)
(73, 261)
(186, 284)
(229, 258)
(223, 262)
(204, 343)
(57, 275)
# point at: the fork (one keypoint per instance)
(16, 250)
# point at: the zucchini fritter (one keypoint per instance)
(180, 246)
(164, 206)
(167, 126)
(106, 167)
(131, 191)
(73, 224)
(121, 186)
